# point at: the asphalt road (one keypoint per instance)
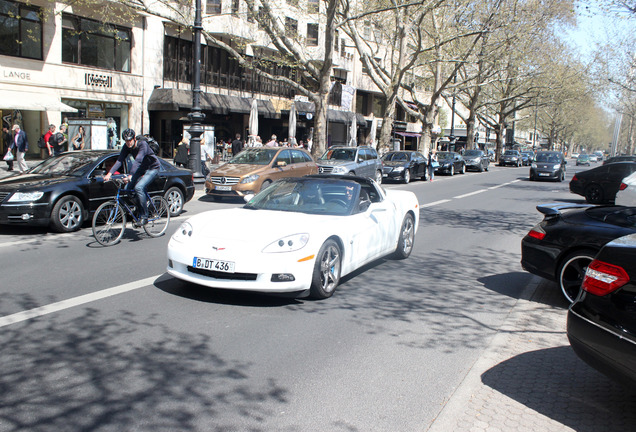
(101, 339)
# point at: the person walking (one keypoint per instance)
(237, 145)
(181, 158)
(272, 142)
(78, 139)
(6, 146)
(21, 144)
(432, 161)
(47, 138)
(58, 141)
(207, 154)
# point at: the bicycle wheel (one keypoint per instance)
(158, 217)
(109, 222)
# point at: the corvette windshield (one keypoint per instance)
(68, 164)
(309, 195)
(255, 156)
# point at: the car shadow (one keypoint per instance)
(555, 383)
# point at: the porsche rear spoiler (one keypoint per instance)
(554, 209)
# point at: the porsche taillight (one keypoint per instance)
(602, 278)
(537, 232)
(623, 186)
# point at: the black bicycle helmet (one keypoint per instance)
(128, 134)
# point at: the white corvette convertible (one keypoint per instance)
(300, 235)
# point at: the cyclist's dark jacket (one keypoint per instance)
(145, 158)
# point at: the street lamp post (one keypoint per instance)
(196, 116)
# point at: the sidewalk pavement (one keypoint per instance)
(3, 167)
(529, 378)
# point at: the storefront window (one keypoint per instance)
(93, 43)
(20, 30)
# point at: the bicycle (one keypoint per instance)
(109, 220)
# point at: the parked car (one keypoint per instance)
(549, 165)
(626, 195)
(511, 157)
(600, 184)
(599, 156)
(255, 168)
(621, 158)
(593, 157)
(300, 236)
(601, 324)
(450, 163)
(404, 165)
(583, 159)
(65, 190)
(527, 157)
(561, 246)
(360, 161)
(476, 160)
(575, 155)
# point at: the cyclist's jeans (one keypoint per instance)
(140, 182)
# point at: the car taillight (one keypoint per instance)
(623, 186)
(537, 232)
(575, 178)
(602, 278)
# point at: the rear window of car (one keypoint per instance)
(620, 216)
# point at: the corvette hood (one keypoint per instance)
(243, 225)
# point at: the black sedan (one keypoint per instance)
(620, 158)
(600, 184)
(64, 190)
(601, 325)
(450, 163)
(404, 165)
(561, 246)
(548, 165)
(477, 160)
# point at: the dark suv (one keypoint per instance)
(362, 161)
(511, 157)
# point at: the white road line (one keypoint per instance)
(503, 184)
(434, 203)
(76, 301)
(470, 193)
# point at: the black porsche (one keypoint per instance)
(63, 191)
(561, 246)
(601, 325)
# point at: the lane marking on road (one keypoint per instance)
(504, 184)
(75, 301)
(434, 203)
(470, 193)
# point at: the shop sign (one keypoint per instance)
(96, 80)
(21, 75)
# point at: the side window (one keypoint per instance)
(306, 157)
(365, 154)
(373, 154)
(373, 194)
(284, 156)
(297, 156)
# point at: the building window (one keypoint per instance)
(291, 27)
(235, 7)
(93, 43)
(312, 34)
(20, 30)
(366, 31)
(292, 2)
(313, 6)
(213, 7)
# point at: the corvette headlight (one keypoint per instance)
(184, 232)
(25, 196)
(250, 178)
(340, 169)
(288, 244)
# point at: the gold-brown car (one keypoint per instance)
(255, 168)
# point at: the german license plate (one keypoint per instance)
(215, 265)
(544, 174)
(223, 188)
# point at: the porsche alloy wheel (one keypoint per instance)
(572, 271)
(594, 194)
(326, 275)
(406, 239)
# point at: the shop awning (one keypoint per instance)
(409, 134)
(27, 101)
(164, 99)
(335, 116)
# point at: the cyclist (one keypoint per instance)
(144, 170)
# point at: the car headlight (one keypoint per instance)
(534, 165)
(288, 244)
(556, 167)
(340, 169)
(398, 169)
(184, 232)
(25, 196)
(250, 178)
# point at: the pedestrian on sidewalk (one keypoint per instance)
(181, 158)
(58, 140)
(6, 145)
(432, 162)
(47, 138)
(21, 144)
(237, 145)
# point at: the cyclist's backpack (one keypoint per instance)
(151, 143)
(41, 142)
